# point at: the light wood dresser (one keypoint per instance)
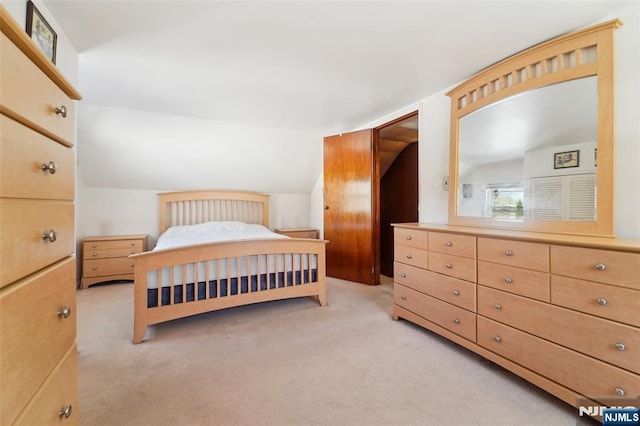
(562, 312)
(298, 232)
(106, 258)
(38, 372)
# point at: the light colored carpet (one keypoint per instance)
(291, 363)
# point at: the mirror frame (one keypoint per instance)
(563, 58)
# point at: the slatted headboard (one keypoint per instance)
(193, 207)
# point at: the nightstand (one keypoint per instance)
(298, 232)
(106, 258)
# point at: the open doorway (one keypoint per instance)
(398, 156)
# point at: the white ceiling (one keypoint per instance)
(327, 65)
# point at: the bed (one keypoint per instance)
(178, 278)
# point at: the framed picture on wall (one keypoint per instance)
(563, 160)
(41, 32)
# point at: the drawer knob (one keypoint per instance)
(95, 255)
(66, 411)
(403, 275)
(403, 297)
(621, 347)
(508, 253)
(448, 243)
(64, 312)
(52, 236)
(497, 339)
(619, 391)
(95, 268)
(132, 244)
(456, 320)
(409, 256)
(50, 167)
(497, 306)
(601, 301)
(456, 293)
(508, 280)
(449, 266)
(133, 264)
(61, 111)
(601, 266)
(409, 237)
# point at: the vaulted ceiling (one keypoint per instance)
(329, 65)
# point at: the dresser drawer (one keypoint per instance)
(107, 253)
(105, 244)
(57, 393)
(458, 245)
(107, 266)
(520, 281)
(23, 247)
(616, 303)
(411, 256)
(457, 292)
(611, 267)
(578, 372)
(410, 237)
(609, 341)
(24, 154)
(457, 320)
(514, 253)
(36, 101)
(455, 266)
(34, 335)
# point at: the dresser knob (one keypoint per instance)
(456, 320)
(619, 391)
(95, 255)
(601, 266)
(456, 293)
(132, 252)
(409, 237)
(95, 268)
(448, 243)
(403, 275)
(620, 346)
(66, 411)
(601, 301)
(132, 244)
(61, 111)
(64, 312)
(408, 256)
(449, 266)
(508, 280)
(403, 297)
(94, 245)
(50, 167)
(508, 253)
(52, 236)
(497, 306)
(133, 264)
(497, 339)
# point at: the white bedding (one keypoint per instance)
(179, 236)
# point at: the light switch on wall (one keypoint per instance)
(445, 183)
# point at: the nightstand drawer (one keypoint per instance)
(113, 244)
(298, 232)
(107, 253)
(108, 266)
(457, 245)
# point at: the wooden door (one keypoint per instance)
(350, 203)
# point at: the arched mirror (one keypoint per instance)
(532, 139)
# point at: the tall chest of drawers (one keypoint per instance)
(37, 243)
(562, 312)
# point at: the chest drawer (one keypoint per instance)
(35, 234)
(615, 303)
(35, 332)
(581, 373)
(107, 244)
(520, 281)
(458, 245)
(514, 253)
(107, 266)
(57, 393)
(606, 340)
(411, 256)
(611, 267)
(29, 94)
(457, 320)
(107, 253)
(25, 154)
(452, 290)
(455, 266)
(411, 238)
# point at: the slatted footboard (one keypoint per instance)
(185, 281)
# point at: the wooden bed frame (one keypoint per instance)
(193, 207)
